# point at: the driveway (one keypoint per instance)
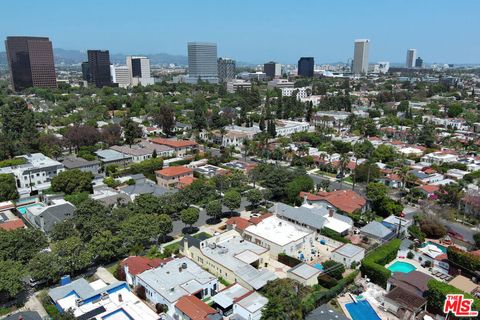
(104, 275)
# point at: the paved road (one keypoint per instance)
(466, 231)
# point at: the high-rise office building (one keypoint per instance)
(272, 69)
(85, 71)
(360, 56)
(140, 73)
(226, 69)
(202, 62)
(306, 66)
(411, 56)
(30, 62)
(99, 68)
(419, 63)
(120, 76)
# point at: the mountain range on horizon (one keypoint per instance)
(72, 57)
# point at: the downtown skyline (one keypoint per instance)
(257, 32)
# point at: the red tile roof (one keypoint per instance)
(174, 143)
(186, 181)
(137, 265)
(344, 200)
(430, 188)
(174, 171)
(239, 222)
(257, 220)
(194, 308)
(12, 225)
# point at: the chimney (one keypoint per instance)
(120, 298)
(330, 212)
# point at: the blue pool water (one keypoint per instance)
(400, 266)
(362, 310)
(444, 250)
(318, 266)
(23, 209)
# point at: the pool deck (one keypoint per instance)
(345, 299)
(416, 264)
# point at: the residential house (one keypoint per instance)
(347, 254)
(98, 301)
(428, 190)
(210, 171)
(280, 236)
(170, 177)
(304, 273)
(238, 302)
(143, 185)
(175, 279)
(377, 231)
(8, 220)
(35, 174)
(347, 201)
(134, 265)
(45, 215)
(24, 315)
(181, 147)
(192, 308)
(249, 306)
(465, 284)
(111, 157)
(72, 162)
(231, 257)
(136, 152)
(405, 296)
(314, 218)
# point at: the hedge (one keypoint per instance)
(437, 292)
(12, 162)
(320, 296)
(373, 264)
(333, 235)
(288, 260)
(462, 259)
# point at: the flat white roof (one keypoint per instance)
(278, 231)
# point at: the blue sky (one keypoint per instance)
(256, 30)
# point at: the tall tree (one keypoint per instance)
(189, 216)
(165, 118)
(8, 187)
(232, 199)
(131, 131)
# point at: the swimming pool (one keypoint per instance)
(439, 246)
(400, 266)
(23, 209)
(318, 266)
(362, 310)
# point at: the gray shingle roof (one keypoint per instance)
(313, 218)
(376, 229)
(324, 312)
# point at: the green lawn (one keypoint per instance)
(202, 234)
(113, 267)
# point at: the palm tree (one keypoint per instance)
(246, 148)
(402, 173)
(344, 161)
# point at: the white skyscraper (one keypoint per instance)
(139, 71)
(121, 75)
(202, 62)
(360, 56)
(411, 56)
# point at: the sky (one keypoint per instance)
(256, 31)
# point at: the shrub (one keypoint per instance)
(140, 292)
(437, 292)
(333, 269)
(415, 232)
(288, 260)
(410, 255)
(326, 281)
(373, 265)
(462, 259)
(428, 263)
(333, 235)
(120, 273)
(12, 162)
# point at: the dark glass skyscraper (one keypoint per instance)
(305, 67)
(30, 61)
(99, 68)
